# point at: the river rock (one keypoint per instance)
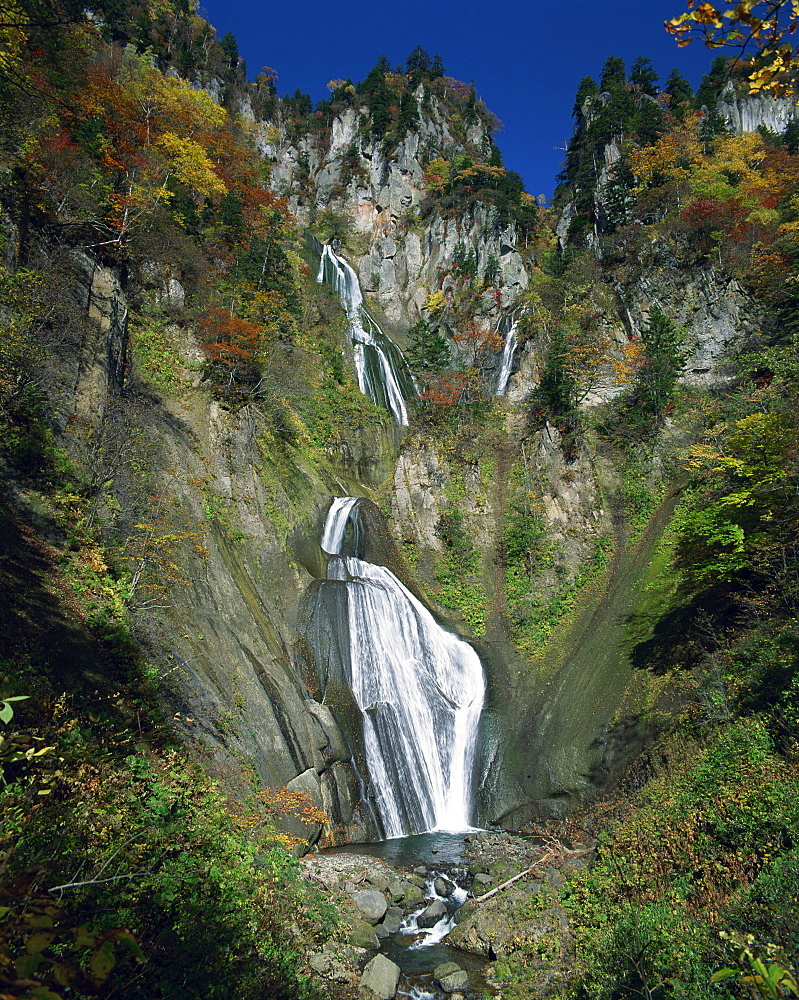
(456, 982)
(362, 934)
(371, 904)
(396, 889)
(381, 976)
(412, 897)
(392, 919)
(451, 977)
(378, 880)
(336, 961)
(432, 914)
(443, 887)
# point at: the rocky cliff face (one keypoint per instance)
(559, 723)
(748, 114)
(380, 197)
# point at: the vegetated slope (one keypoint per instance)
(177, 488)
(697, 871)
(179, 403)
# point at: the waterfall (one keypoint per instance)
(382, 373)
(419, 688)
(508, 326)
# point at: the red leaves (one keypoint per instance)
(446, 390)
(230, 340)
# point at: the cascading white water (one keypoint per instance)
(419, 688)
(508, 326)
(382, 373)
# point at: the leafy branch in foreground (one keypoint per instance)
(766, 25)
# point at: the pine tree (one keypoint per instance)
(585, 89)
(614, 74)
(681, 93)
(418, 62)
(664, 362)
(643, 77)
(428, 351)
(650, 124)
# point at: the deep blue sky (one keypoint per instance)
(526, 58)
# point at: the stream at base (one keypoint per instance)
(436, 856)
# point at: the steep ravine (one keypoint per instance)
(560, 720)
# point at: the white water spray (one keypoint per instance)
(419, 688)
(380, 367)
(508, 326)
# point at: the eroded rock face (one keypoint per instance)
(748, 114)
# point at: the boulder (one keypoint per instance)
(443, 887)
(362, 935)
(451, 977)
(336, 961)
(455, 982)
(381, 977)
(378, 880)
(432, 914)
(371, 904)
(413, 896)
(396, 889)
(393, 919)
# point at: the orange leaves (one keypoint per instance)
(436, 175)
(477, 336)
(290, 802)
(228, 339)
(447, 390)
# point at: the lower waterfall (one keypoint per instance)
(419, 688)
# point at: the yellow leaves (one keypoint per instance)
(436, 174)
(435, 302)
(671, 157)
(191, 166)
(13, 39)
(775, 57)
(707, 14)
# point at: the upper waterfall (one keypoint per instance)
(419, 688)
(382, 372)
(508, 326)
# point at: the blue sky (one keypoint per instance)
(526, 59)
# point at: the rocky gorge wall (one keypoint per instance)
(562, 718)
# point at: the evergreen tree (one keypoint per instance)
(681, 93)
(428, 351)
(664, 362)
(418, 62)
(618, 198)
(495, 157)
(408, 115)
(230, 47)
(614, 74)
(643, 78)
(713, 83)
(586, 88)
(790, 137)
(650, 124)
(376, 77)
